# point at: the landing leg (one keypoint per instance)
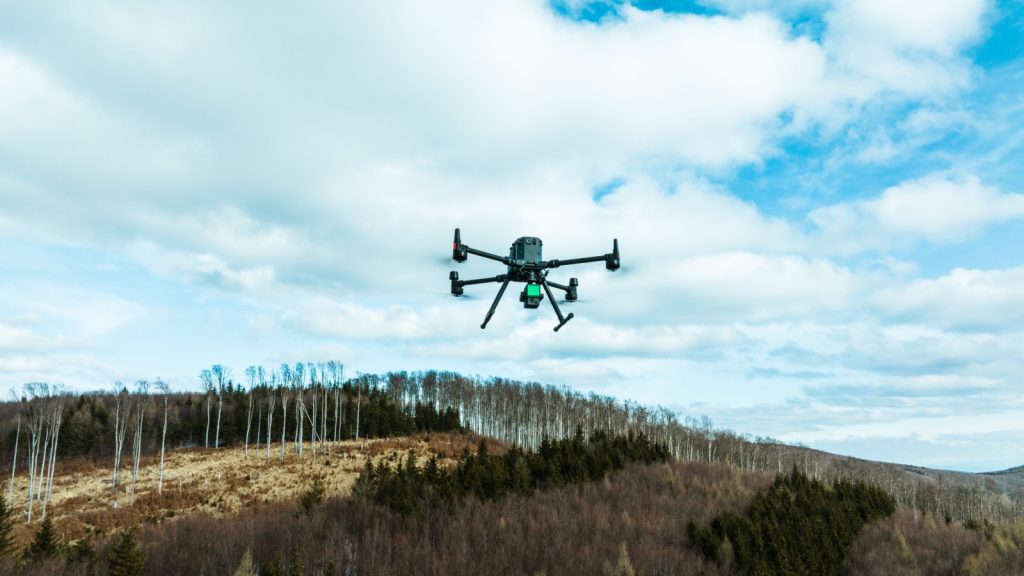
(494, 306)
(561, 319)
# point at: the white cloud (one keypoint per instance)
(933, 208)
(963, 299)
(911, 47)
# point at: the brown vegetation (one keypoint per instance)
(215, 482)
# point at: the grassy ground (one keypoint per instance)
(217, 481)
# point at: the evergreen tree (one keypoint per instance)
(126, 558)
(44, 545)
(6, 529)
(314, 496)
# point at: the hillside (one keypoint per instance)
(633, 522)
(216, 504)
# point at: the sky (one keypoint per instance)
(820, 204)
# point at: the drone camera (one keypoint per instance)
(531, 296)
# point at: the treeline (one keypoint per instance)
(798, 527)
(223, 415)
(409, 489)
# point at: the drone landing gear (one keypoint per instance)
(494, 305)
(529, 300)
(561, 319)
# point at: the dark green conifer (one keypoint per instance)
(125, 558)
(45, 544)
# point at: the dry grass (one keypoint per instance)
(218, 481)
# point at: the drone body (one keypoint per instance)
(526, 264)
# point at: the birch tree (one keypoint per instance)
(122, 413)
(223, 376)
(165, 392)
(33, 391)
(142, 391)
(206, 377)
(55, 416)
(271, 400)
(250, 373)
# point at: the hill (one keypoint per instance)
(632, 522)
(946, 522)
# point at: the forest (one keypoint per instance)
(654, 494)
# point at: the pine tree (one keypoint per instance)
(6, 529)
(126, 558)
(314, 496)
(45, 543)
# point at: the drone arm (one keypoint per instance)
(611, 260)
(458, 284)
(494, 305)
(498, 278)
(461, 251)
(571, 261)
(503, 260)
(561, 319)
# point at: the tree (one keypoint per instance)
(142, 389)
(223, 376)
(206, 377)
(33, 391)
(162, 387)
(251, 372)
(123, 408)
(54, 415)
(45, 544)
(314, 496)
(271, 400)
(125, 557)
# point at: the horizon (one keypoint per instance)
(818, 203)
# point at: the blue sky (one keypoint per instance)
(820, 204)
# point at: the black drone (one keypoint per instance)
(525, 265)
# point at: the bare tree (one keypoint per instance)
(359, 404)
(34, 391)
(206, 377)
(55, 416)
(142, 390)
(298, 383)
(122, 413)
(164, 391)
(250, 373)
(271, 400)
(223, 376)
(284, 415)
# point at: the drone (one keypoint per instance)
(525, 264)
